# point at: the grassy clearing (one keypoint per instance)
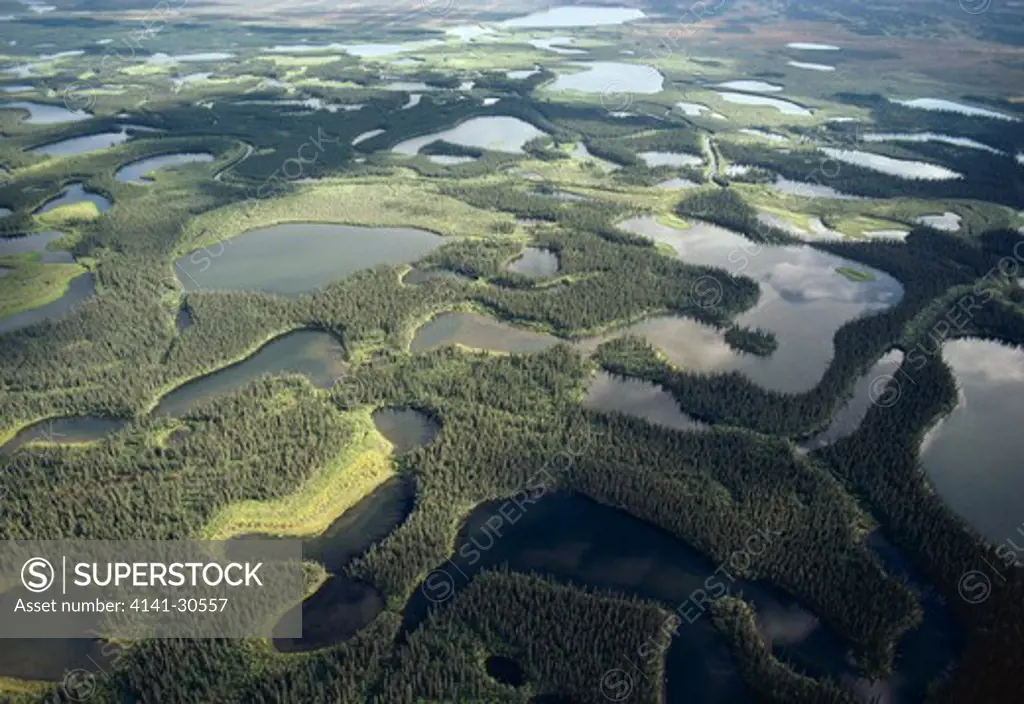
(372, 203)
(360, 468)
(69, 214)
(30, 284)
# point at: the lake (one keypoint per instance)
(80, 288)
(784, 106)
(607, 77)
(574, 16)
(927, 137)
(64, 431)
(947, 221)
(342, 606)
(638, 398)
(940, 105)
(42, 114)
(81, 145)
(903, 168)
(804, 301)
(295, 258)
(556, 44)
(811, 46)
(362, 137)
(477, 332)
(535, 262)
(161, 58)
(136, 171)
(76, 193)
(405, 428)
(37, 242)
(750, 86)
(810, 66)
(762, 134)
(575, 540)
(653, 159)
(810, 190)
(499, 133)
(315, 354)
(972, 456)
(692, 109)
(867, 390)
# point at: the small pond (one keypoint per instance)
(535, 262)
(405, 428)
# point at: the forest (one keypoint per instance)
(293, 452)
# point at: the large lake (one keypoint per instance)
(612, 78)
(499, 133)
(973, 456)
(574, 16)
(804, 301)
(294, 258)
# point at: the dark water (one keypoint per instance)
(342, 606)
(50, 659)
(405, 428)
(318, 355)
(804, 299)
(417, 276)
(79, 288)
(36, 243)
(76, 193)
(64, 430)
(576, 540)
(637, 398)
(183, 320)
(137, 172)
(505, 670)
(535, 262)
(296, 258)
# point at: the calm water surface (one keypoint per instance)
(972, 457)
(137, 171)
(295, 258)
(804, 300)
(315, 354)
